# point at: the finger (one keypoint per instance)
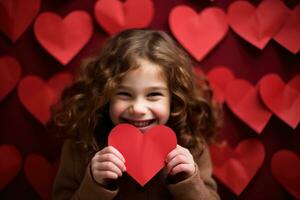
(111, 149)
(178, 150)
(109, 157)
(179, 159)
(187, 168)
(105, 174)
(107, 166)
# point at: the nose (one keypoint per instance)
(138, 107)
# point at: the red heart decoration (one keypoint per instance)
(115, 16)
(10, 164)
(282, 99)
(40, 174)
(289, 35)
(63, 38)
(236, 168)
(198, 33)
(219, 78)
(10, 73)
(145, 153)
(37, 96)
(244, 101)
(257, 25)
(285, 167)
(16, 16)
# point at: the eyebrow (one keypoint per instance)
(148, 88)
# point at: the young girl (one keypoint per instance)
(141, 77)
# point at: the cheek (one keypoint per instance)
(116, 108)
(162, 111)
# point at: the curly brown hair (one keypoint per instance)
(83, 110)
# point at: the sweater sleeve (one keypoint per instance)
(200, 186)
(69, 185)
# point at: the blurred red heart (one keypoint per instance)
(198, 33)
(289, 34)
(145, 153)
(115, 16)
(282, 99)
(244, 101)
(10, 73)
(16, 16)
(236, 168)
(10, 164)
(37, 96)
(257, 25)
(63, 38)
(219, 78)
(40, 174)
(285, 167)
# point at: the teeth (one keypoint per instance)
(140, 124)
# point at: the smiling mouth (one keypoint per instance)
(139, 124)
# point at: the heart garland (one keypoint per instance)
(257, 25)
(235, 168)
(63, 38)
(198, 33)
(38, 96)
(114, 16)
(10, 164)
(16, 16)
(282, 99)
(10, 74)
(40, 174)
(144, 153)
(285, 166)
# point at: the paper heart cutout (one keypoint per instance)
(198, 33)
(10, 164)
(10, 73)
(289, 34)
(244, 101)
(285, 167)
(257, 25)
(40, 174)
(236, 168)
(115, 16)
(63, 38)
(282, 99)
(145, 153)
(16, 16)
(219, 78)
(38, 96)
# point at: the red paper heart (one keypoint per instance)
(236, 168)
(282, 99)
(219, 78)
(38, 96)
(257, 25)
(144, 153)
(285, 167)
(10, 164)
(40, 175)
(244, 101)
(16, 16)
(63, 38)
(10, 73)
(115, 16)
(289, 34)
(198, 33)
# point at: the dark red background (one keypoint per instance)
(19, 127)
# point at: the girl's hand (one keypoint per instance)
(180, 160)
(107, 164)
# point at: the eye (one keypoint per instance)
(123, 94)
(153, 94)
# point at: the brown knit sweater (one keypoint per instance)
(74, 181)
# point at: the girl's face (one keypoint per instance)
(142, 99)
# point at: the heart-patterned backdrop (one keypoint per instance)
(249, 51)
